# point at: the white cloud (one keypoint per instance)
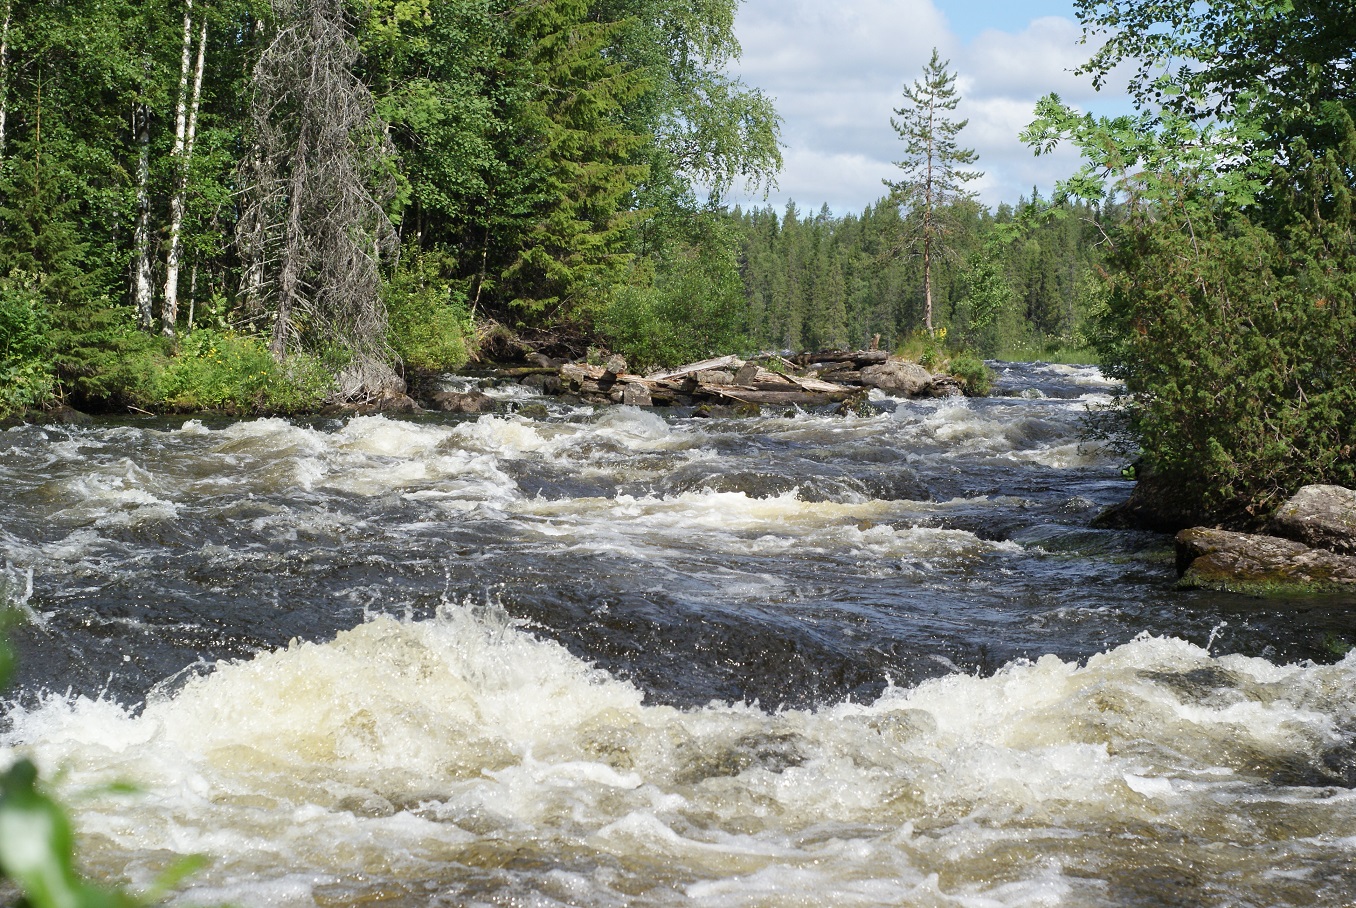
(837, 72)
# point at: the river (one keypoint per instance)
(581, 657)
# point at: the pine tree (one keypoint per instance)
(932, 163)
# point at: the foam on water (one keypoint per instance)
(455, 758)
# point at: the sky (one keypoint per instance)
(837, 69)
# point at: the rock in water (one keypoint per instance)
(1320, 516)
(454, 402)
(1219, 559)
(910, 379)
(636, 395)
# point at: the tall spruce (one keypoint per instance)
(932, 164)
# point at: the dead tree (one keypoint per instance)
(315, 227)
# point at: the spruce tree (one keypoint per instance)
(932, 164)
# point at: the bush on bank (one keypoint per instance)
(1237, 343)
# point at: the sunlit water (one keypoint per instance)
(622, 657)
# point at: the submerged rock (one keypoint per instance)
(1242, 562)
(1319, 516)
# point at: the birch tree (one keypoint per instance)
(142, 289)
(933, 178)
(4, 73)
(185, 132)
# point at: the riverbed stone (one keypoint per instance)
(714, 377)
(636, 395)
(457, 402)
(1321, 516)
(1242, 562)
(910, 379)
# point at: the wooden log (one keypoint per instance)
(722, 362)
(817, 385)
(845, 356)
(768, 377)
(751, 396)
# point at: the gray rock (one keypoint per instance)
(452, 402)
(1241, 562)
(634, 395)
(714, 377)
(910, 379)
(1320, 516)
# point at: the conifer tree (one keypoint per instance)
(320, 187)
(932, 163)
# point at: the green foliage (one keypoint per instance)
(1238, 349)
(1228, 299)
(976, 374)
(538, 145)
(1015, 280)
(688, 308)
(427, 312)
(216, 370)
(25, 367)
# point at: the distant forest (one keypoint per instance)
(1017, 282)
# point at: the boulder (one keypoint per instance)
(714, 377)
(1323, 517)
(1242, 562)
(636, 395)
(454, 402)
(909, 379)
(390, 401)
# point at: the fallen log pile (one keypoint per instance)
(811, 379)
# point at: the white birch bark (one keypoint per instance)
(4, 74)
(186, 127)
(141, 265)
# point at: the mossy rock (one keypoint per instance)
(1259, 565)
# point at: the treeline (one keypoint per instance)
(1016, 281)
(206, 201)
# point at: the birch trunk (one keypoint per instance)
(184, 151)
(169, 310)
(4, 74)
(141, 265)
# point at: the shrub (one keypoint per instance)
(216, 370)
(25, 366)
(972, 370)
(682, 307)
(427, 315)
(1237, 345)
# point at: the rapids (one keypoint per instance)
(623, 657)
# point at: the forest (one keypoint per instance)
(232, 203)
(261, 205)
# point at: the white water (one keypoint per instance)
(467, 759)
(463, 759)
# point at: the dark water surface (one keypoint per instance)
(632, 657)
